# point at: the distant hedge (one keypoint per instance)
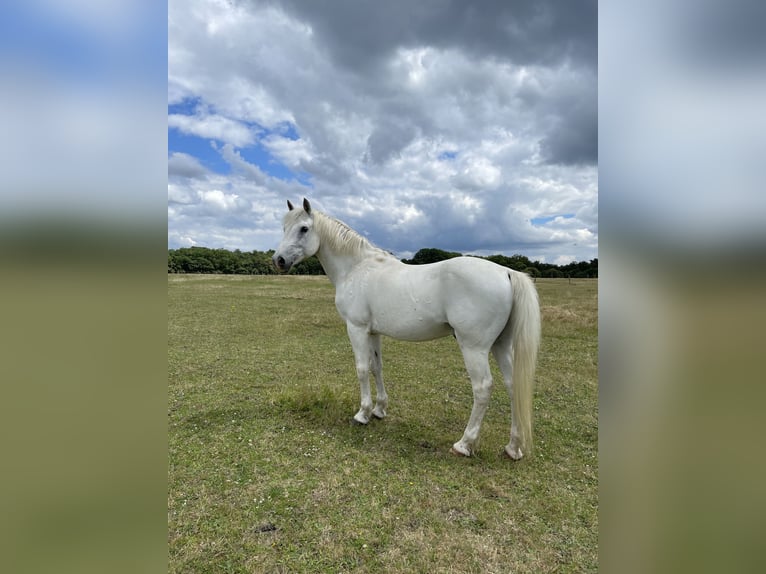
(223, 261)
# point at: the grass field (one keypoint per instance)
(266, 474)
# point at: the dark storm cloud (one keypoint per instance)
(573, 138)
(361, 33)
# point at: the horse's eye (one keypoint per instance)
(304, 229)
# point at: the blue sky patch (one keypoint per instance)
(287, 130)
(198, 147)
(187, 107)
(447, 155)
(207, 150)
(547, 219)
(258, 155)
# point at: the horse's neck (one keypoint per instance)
(337, 260)
(336, 265)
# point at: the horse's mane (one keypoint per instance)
(340, 238)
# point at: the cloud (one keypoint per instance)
(294, 153)
(388, 140)
(217, 200)
(361, 34)
(433, 124)
(478, 173)
(572, 137)
(213, 127)
(185, 165)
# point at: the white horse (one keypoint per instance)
(484, 305)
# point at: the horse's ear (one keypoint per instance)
(289, 205)
(306, 206)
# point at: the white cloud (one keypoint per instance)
(213, 127)
(479, 173)
(219, 201)
(293, 153)
(177, 194)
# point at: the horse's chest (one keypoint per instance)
(351, 306)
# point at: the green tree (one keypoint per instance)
(516, 262)
(431, 255)
(532, 271)
(552, 272)
(310, 266)
(200, 259)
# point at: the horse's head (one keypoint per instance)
(300, 239)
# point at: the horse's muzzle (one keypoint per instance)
(280, 263)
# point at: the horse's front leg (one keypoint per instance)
(360, 343)
(381, 400)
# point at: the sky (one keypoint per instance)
(465, 126)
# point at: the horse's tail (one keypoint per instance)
(524, 324)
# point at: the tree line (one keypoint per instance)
(223, 261)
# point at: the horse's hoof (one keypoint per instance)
(357, 423)
(456, 452)
(516, 454)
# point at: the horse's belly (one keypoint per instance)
(412, 328)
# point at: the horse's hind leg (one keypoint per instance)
(381, 400)
(477, 364)
(502, 352)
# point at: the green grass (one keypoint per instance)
(266, 473)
